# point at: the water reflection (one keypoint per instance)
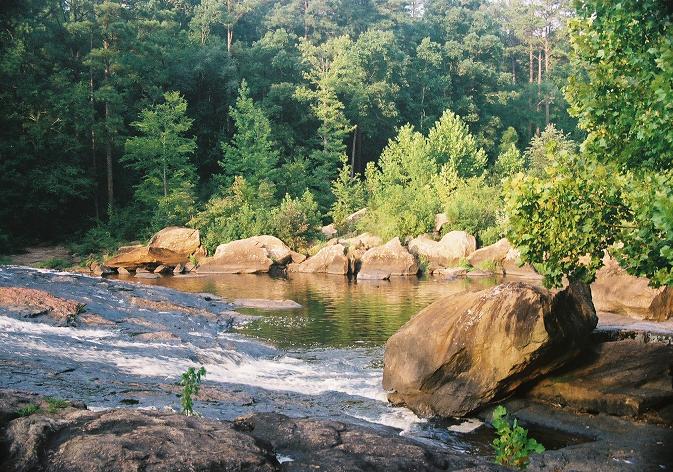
(336, 311)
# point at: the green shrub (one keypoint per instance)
(297, 221)
(474, 207)
(402, 197)
(28, 410)
(512, 447)
(450, 142)
(566, 220)
(350, 195)
(243, 212)
(191, 384)
(56, 404)
(54, 263)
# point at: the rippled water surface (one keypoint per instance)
(335, 312)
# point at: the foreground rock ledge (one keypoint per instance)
(465, 351)
(75, 439)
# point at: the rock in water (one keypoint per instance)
(329, 260)
(247, 256)
(392, 259)
(464, 351)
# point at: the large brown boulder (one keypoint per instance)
(169, 247)
(329, 260)
(623, 378)
(467, 350)
(247, 256)
(34, 303)
(615, 291)
(503, 258)
(391, 259)
(450, 251)
(184, 241)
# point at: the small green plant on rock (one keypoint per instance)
(512, 447)
(55, 404)
(28, 410)
(191, 384)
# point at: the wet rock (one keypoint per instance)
(623, 378)
(122, 271)
(512, 266)
(157, 336)
(265, 304)
(131, 440)
(450, 273)
(329, 260)
(490, 257)
(467, 350)
(33, 303)
(179, 269)
(391, 258)
(247, 256)
(374, 275)
(314, 444)
(615, 291)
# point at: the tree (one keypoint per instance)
(450, 142)
(161, 153)
(543, 149)
(250, 153)
(350, 195)
(565, 220)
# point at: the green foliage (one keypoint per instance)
(647, 239)
(543, 149)
(350, 195)
(297, 221)
(474, 206)
(402, 200)
(625, 97)
(28, 410)
(161, 153)
(56, 404)
(450, 142)
(565, 220)
(509, 162)
(251, 152)
(54, 263)
(244, 211)
(512, 447)
(191, 384)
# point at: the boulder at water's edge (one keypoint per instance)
(465, 351)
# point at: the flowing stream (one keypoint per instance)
(322, 360)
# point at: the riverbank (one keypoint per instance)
(129, 345)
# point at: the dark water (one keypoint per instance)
(336, 311)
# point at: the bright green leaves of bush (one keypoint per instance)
(566, 219)
(191, 384)
(512, 447)
(647, 249)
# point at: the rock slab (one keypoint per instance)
(465, 351)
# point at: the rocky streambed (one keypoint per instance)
(109, 344)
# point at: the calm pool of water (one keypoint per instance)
(335, 312)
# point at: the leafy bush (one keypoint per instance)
(512, 447)
(509, 162)
(297, 221)
(191, 384)
(474, 207)
(402, 198)
(28, 410)
(544, 149)
(56, 404)
(54, 263)
(350, 195)
(647, 239)
(174, 209)
(450, 142)
(97, 240)
(243, 212)
(565, 220)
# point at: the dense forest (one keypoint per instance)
(279, 93)
(245, 117)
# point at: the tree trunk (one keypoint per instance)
(531, 80)
(108, 137)
(305, 14)
(94, 166)
(513, 70)
(355, 134)
(230, 37)
(546, 75)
